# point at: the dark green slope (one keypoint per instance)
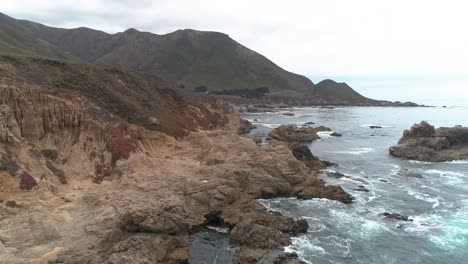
(18, 40)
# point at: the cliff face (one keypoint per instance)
(31, 113)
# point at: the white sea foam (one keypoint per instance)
(302, 245)
(458, 162)
(444, 173)
(271, 125)
(425, 197)
(325, 134)
(419, 162)
(354, 151)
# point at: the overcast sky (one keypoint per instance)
(356, 41)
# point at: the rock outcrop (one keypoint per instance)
(293, 133)
(245, 127)
(424, 142)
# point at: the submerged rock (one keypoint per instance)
(292, 133)
(424, 142)
(396, 216)
(335, 174)
(404, 172)
(361, 188)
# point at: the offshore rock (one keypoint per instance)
(424, 142)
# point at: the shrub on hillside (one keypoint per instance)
(246, 93)
(50, 154)
(200, 89)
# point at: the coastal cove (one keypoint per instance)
(433, 195)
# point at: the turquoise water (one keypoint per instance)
(436, 200)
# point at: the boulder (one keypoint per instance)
(335, 134)
(424, 142)
(245, 127)
(292, 133)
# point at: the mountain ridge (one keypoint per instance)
(188, 59)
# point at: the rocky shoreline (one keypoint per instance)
(113, 192)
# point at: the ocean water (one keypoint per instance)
(434, 195)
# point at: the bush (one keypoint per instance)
(246, 93)
(200, 89)
(50, 154)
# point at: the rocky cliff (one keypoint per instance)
(81, 185)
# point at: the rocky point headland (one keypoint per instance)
(80, 188)
(425, 143)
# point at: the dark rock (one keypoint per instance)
(335, 174)
(334, 134)
(361, 189)
(303, 153)
(11, 204)
(396, 216)
(329, 163)
(27, 182)
(374, 127)
(404, 172)
(292, 133)
(424, 142)
(245, 127)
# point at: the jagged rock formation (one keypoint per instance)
(293, 133)
(424, 142)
